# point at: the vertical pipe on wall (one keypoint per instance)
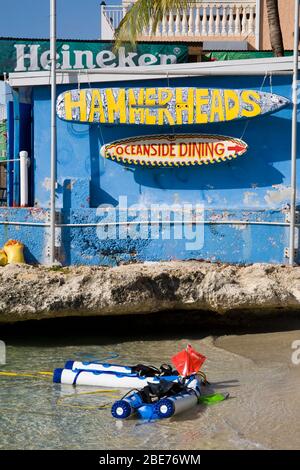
(10, 152)
(294, 138)
(31, 194)
(24, 178)
(53, 127)
(16, 163)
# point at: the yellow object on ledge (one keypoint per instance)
(14, 251)
(3, 258)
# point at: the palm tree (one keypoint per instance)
(146, 12)
(275, 28)
(142, 14)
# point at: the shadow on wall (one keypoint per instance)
(29, 257)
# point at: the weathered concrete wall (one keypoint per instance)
(219, 239)
(27, 292)
(235, 243)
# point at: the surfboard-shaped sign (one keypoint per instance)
(164, 106)
(174, 150)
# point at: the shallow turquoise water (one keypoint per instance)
(262, 413)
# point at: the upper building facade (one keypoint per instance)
(224, 24)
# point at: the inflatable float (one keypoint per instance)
(159, 401)
(139, 369)
(107, 378)
(156, 393)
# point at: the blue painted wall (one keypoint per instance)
(34, 235)
(251, 187)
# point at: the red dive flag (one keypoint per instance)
(188, 361)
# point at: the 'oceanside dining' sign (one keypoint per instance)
(165, 105)
(29, 55)
(174, 150)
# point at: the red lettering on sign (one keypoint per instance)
(154, 150)
(183, 149)
(219, 149)
(165, 150)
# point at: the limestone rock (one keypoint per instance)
(29, 292)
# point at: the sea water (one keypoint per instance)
(257, 370)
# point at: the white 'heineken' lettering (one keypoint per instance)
(89, 59)
(126, 61)
(30, 58)
(105, 59)
(32, 55)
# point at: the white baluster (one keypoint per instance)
(244, 21)
(191, 22)
(217, 22)
(211, 21)
(230, 22)
(177, 23)
(184, 23)
(224, 21)
(251, 28)
(171, 24)
(237, 24)
(197, 21)
(164, 31)
(204, 22)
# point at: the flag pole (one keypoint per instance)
(53, 128)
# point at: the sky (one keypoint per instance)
(76, 19)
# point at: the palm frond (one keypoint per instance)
(141, 15)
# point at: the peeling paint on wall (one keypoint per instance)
(239, 226)
(279, 194)
(46, 184)
(251, 199)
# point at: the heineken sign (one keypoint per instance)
(22, 55)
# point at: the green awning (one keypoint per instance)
(239, 55)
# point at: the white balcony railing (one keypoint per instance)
(227, 18)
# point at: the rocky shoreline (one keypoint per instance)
(34, 293)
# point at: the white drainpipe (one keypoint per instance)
(24, 164)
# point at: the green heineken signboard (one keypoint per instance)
(28, 55)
